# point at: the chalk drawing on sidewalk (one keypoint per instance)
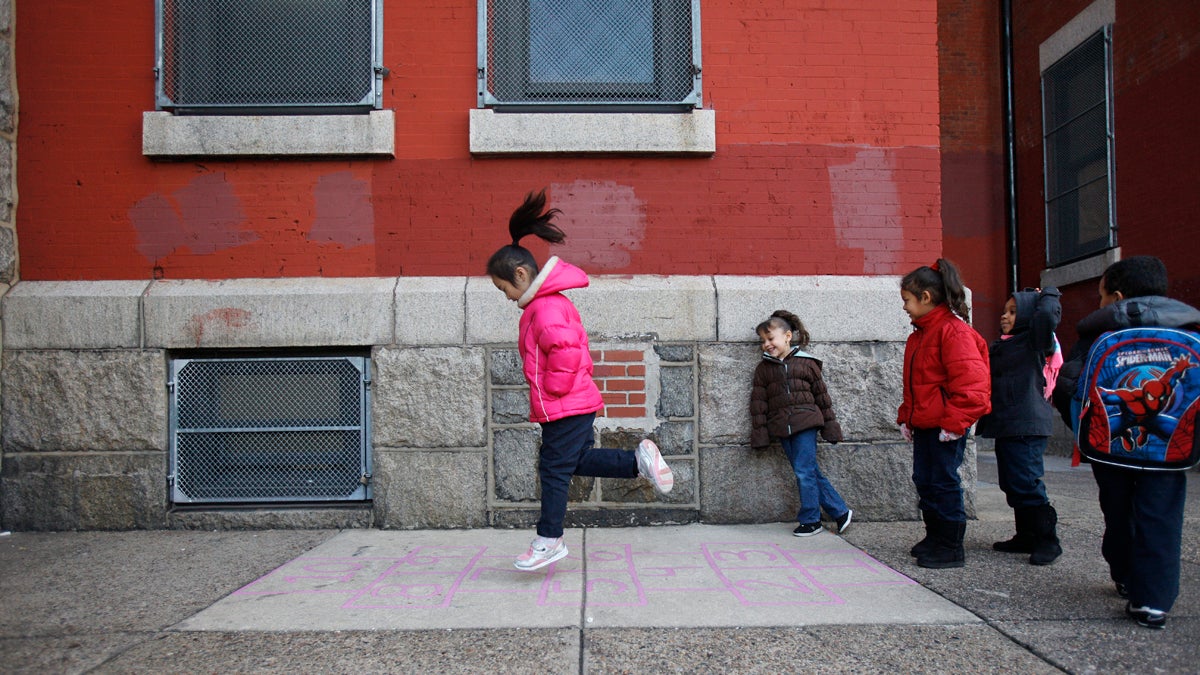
(617, 575)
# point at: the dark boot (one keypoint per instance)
(925, 545)
(948, 547)
(1046, 548)
(1024, 540)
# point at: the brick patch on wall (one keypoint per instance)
(621, 376)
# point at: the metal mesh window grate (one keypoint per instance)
(268, 54)
(245, 430)
(1078, 144)
(589, 52)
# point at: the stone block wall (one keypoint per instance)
(85, 406)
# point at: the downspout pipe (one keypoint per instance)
(1010, 158)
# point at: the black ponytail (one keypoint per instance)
(785, 320)
(527, 219)
(943, 282)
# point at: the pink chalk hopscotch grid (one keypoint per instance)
(433, 577)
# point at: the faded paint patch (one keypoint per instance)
(204, 216)
(217, 323)
(867, 210)
(344, 213)
(604, 223)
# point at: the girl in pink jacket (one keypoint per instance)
(563, 399)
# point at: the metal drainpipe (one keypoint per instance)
(1010, 159)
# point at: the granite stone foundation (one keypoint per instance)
(86, 407)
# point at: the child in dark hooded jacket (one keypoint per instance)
(1024, 367)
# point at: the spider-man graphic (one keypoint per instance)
(1138, 407)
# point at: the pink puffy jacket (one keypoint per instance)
(554, 346)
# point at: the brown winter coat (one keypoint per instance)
(789, 396)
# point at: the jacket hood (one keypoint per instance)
(1026, 304)
(794, 352)
(1148, 310)
(556, 276)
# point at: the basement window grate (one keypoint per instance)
(270, 430)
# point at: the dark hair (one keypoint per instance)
(1136, 276)
(527, 219)
(785, 320)
(944, 284)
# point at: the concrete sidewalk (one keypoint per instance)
(695, 598)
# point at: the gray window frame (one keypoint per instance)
(1062, 238)
(574, 97)
(370, 100)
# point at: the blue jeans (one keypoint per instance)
(567, 451)
(1019, 465)
(816, 492)
(935, 473)
(1143, 531)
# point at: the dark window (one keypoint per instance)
(600, 52)
(1078, 153)
(268, 55)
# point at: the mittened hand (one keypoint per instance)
(906, 432)
(946, 436)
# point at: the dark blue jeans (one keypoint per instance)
(1019, 465)
(567, 451)
(816, 492)
(935, 473)
(1143, 531)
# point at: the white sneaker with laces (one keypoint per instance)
(541, 552)
(653, 468)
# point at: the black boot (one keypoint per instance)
(948, 546)
(1046, 548)
(925, 545)
(1023, 541)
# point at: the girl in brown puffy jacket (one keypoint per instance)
(788, 401)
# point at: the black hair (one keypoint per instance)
(1136, 276)
(785, 320)
(528, 218)
(944, 284)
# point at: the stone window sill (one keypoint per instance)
(167, 135)
(691, 133)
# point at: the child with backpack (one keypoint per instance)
(1122, 424)
(946, 388)
(1024, 364)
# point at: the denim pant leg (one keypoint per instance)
(935, 474)
(1020, 469)
(816, 492)
(563, 443)
(567, 451)
(1143, 531)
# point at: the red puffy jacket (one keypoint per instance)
(554, 346)
(947, 380)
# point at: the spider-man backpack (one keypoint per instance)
(1137, 399)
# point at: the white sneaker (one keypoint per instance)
(541, 552)
(652, 467)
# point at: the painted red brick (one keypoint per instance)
(801, 92)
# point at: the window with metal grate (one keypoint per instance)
(267, 56)
(269, 430)
(1078, 143)
(604, 53)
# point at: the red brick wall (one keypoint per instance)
(621, 376)
(973, 201)
(1156, 61)
(827, 159)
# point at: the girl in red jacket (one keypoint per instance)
(563, 399)
(947, 387)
